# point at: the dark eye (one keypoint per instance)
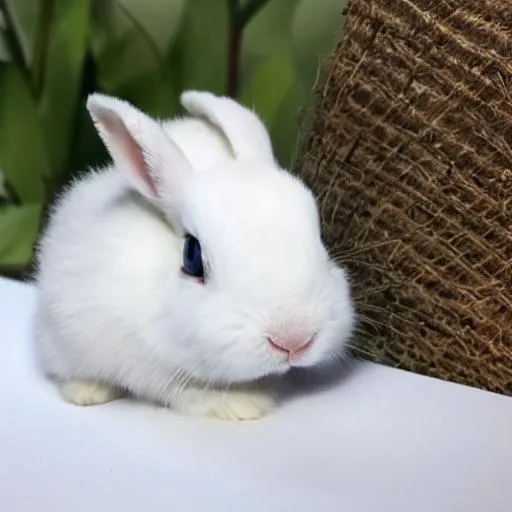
(192, 258)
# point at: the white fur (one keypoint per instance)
(114, 309)
(244, 130)
(88, 393)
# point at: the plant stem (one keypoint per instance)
(233, 64)
(239, 16)
(246, 12)
(41, 46)
(232, 8)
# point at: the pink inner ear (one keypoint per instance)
(121, 142)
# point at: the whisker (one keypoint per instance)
(360, 350)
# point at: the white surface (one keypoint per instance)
(382, 440)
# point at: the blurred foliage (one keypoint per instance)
(267, 53)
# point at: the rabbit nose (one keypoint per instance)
(292, 346)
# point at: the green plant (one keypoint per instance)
(54, 52)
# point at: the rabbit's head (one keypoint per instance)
(256, 292)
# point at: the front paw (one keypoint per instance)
(242, 406)
(80, 392)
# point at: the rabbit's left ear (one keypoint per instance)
(244, 130)
(153, 164)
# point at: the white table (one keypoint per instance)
(382, 440)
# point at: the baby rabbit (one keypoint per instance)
(189, 268)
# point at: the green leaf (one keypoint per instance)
(268, 100)
(198, 59)
(5, 53)
(160, 18)
(23, 156)
(19, 226)
(62, 75)
(277, 71)
(267, 34)
(87, 148)
(153, 92)
(124, 51)
(131, 65)
(25, 16)
(315, 30)
(286, 130)
(122, 59)
(123, 48)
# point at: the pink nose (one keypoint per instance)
(292, 347)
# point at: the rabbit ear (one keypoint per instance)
(139, 146)
(244, 130)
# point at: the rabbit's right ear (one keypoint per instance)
(244, 130)
(139, 146)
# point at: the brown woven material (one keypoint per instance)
(410, 156)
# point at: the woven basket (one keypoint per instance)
(410, 156)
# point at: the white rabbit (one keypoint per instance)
(190, 267)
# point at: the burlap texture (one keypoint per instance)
(410, 156)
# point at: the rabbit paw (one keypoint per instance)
(243, 406)
(234, 405)
(81, 392)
